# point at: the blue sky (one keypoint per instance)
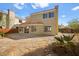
(67, 11)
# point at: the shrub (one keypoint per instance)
(60, 39)
(66, 45)
(64, 39)
(2, 34)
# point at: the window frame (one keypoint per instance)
(45, 16)
(51, 14)
(47, 28)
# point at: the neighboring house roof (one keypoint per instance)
(31, 21)
(61, 26)
(3, 13)
(64, 27)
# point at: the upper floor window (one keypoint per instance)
(44, 16)
(51, 14)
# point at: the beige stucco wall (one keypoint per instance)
(47, 22)
(3, 20)
(39, 29)
(16, 22)
(8, 20)
(12, 19)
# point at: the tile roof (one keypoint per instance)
(37, 21)
(30, 21)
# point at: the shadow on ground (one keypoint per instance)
(53, 50)
(40, 52)
(50, 50)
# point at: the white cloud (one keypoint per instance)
(63, 16)
(39, 5)
(23, 17)
(19, 5)
(65, 24)
(75, 8)
(33, 6)
(5, 11)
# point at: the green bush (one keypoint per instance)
(60, 39)
(64, 39)
(2, 34)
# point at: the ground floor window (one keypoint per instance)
(47, 28)
(21, 29)
(33, 28)
(16, 27)
(26, 30)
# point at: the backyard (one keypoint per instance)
(21, 44)
(30, 45)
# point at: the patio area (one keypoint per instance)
(26, 45)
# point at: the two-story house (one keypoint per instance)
(43, 22)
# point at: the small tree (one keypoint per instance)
(74, 24)
(2, 34)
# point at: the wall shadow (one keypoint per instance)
(18, 36)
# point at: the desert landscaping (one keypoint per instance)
(47, 32)
(9, 46)
(31, 46)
